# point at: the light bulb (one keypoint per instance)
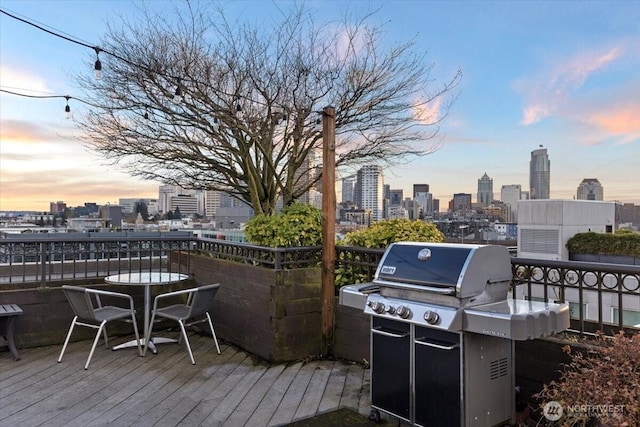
(98, 69)
(67, 111)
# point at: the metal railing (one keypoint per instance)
(602, 297)
(49, 258)
(274, 258)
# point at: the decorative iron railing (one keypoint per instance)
(275, 258)
(48, 258)
(601, 296)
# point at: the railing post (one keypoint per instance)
(43, 264)
(328, 227)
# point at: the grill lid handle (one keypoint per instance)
(450, 290)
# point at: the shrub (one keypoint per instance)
(382, 233)
(600, 385)
(354, 268)
(296, 225)
(627, 244)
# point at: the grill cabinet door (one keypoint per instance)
(390, 366)
(437, 378)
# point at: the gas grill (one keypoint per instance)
(442, 331)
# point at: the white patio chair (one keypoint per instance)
(94, 315)
(196, 310)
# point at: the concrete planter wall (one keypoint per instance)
(47, 315)
(274, 314)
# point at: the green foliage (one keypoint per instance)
(627, 244)
(600, 385)
(296, 225)
(356, 267)
(382, 233)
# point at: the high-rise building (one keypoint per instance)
(509, 195)
(590, 189)
(485, 190)
(57, 208)
(461, 202)
(307, 177)
(396, 197)
(186, 203)
(165, 192)
(347, 189)
(211, 203)
(369, 190)
(420, 188)
(539, 174)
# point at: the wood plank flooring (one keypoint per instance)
(122, 389)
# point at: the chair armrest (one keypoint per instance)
(98, 292)
(172, 294)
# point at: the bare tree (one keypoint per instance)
(204, 104)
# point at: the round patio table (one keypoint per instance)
(146, 279)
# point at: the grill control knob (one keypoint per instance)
(403, 311)
(391, 310)
(376, 306)
(431, 317)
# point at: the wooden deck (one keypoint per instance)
(122, 389)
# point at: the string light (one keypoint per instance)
(67, 109)
(177, 96)
(98, 65)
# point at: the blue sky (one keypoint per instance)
(565, 75)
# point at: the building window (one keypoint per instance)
(629, 317)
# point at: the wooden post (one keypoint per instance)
(328, 227)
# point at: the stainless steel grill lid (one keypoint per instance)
(460, 270)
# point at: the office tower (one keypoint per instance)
(186, 203)
(369, 190)
(306, 179)
(420, 188)
(461, 202)
(485, 190)
(396, 197)
(509, 195)
(539, 174)
(165, 192)
(590, 189)
(211, 203)
(347, 189)
(57, 208)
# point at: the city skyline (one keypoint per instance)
(559, 74)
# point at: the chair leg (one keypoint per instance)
(148, 337)
(137, 334)
(95, 342)
(186, 341)
(213, 332)
(66, 341)
(106, 338)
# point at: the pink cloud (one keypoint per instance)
(620, 121)
(427, 113)
(23, 131)
(551, 91)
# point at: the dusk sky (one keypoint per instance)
(564, 75)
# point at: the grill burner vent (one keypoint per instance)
(499, 368)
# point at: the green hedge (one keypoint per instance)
(627, 244)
